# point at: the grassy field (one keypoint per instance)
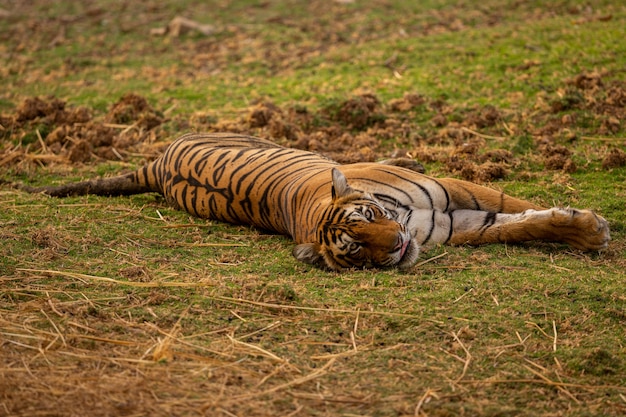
(124, 306)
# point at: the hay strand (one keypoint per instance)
(298, 381)
(176, 284)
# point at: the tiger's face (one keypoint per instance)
(358, 232)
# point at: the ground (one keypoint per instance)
(124, 306)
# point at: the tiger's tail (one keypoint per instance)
(137, 182)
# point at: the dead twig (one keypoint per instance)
(603, 139)
(468, 357)
(434, 258)
(557, 385)
(425, 399)
(480, 135)
(543, 381)
(555, 336)
(254, 348)
(84, 278)
(298, 381)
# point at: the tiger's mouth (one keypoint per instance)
(403, 248)
(403, 243)
(409, 252)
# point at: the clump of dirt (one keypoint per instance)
(49, 242)
(268, 115)
(50, 110)
(498, 155)
(586, 102)
(557, 157)
(261, 114)
(472, 162)
(356, 113)
(135, 273)
(568, 99)
(57, 132)
(408, 102)
(477, 172)
(615, 159)
(80, 151)
(587, 81)
(490, 171)
(133, 109)
(335, 131)
(345, 148)
(615, 96)
(483, 117)
(439, 120)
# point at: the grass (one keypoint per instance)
(124, 306)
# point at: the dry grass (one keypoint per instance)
(80, 354)
(104, 346)
(86, 353)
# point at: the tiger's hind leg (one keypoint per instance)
(470, 196)
(582, 229)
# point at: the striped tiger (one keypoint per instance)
(340, 216)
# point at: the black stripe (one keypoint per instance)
(490, 219)
(445, 192)
(432, 228)
(451, 215)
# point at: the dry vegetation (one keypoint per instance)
(355, 130)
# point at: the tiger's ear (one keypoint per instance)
(340, 186)
(309, 253)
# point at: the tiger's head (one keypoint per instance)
(356, 231)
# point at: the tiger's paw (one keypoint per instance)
(582, 229)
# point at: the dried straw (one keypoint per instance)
(298, 381)
(84, 278)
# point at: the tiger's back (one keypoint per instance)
(242, 180)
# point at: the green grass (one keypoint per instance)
(124, 306)
(437, 65)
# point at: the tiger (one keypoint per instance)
(340, 216)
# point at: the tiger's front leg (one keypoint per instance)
(582, 229)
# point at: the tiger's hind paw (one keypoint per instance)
(582, 229)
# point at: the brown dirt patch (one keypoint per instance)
(557, 157)
(356, 113)
(615, 159)
(133, 109)
(473, 143)
(586, 101)
(56, 132)
(50, 243)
